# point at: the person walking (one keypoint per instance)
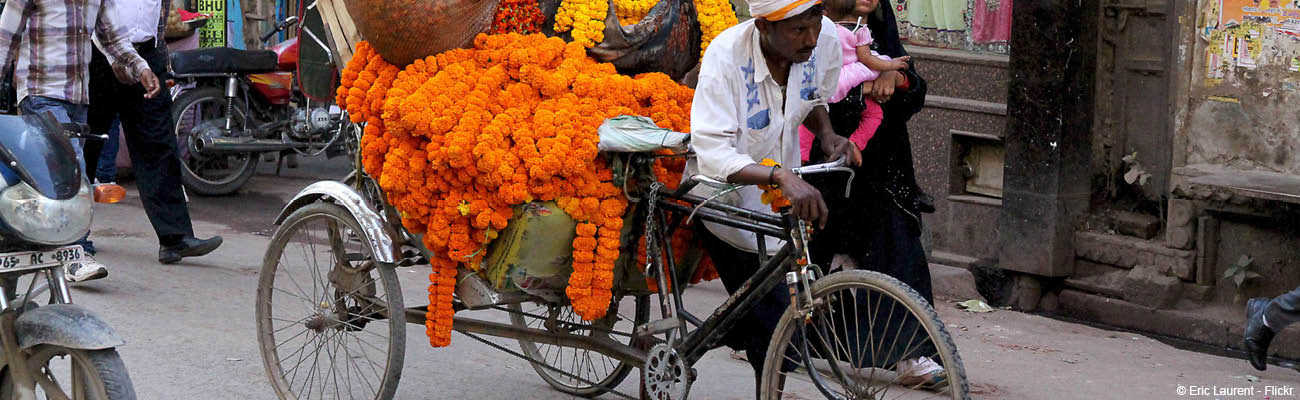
(53, 39)
(1264, 318)
(146, 124)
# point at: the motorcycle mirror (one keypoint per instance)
(109, 193)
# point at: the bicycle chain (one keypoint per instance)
(652, 248)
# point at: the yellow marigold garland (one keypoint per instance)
(585, 19)
(459, 138)
(631, 12)
(714, 16)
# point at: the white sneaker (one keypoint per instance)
(84, 270)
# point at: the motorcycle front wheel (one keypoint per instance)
(63, 373)
(198, 113)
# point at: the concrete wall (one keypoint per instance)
(1244, 108)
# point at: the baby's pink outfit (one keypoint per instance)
(852, 74)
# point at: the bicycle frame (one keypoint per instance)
(689, 344)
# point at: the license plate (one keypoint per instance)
(39, 259)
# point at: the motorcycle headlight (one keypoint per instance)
(42, 220)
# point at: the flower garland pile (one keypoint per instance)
(457, 139)
(518, 16)
(586, 18)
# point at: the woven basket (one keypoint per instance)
(405, 30)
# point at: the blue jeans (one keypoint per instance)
(64, 112)
(106, 170)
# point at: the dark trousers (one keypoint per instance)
(147, 126)
(879, 236)
(1283, 310)
(753, 331)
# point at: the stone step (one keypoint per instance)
(1218, 326)
(963, 74)
(953, 283)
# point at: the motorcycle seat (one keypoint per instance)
(223, 60)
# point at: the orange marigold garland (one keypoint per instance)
(459, 138)
(518, 16)
(771, 194)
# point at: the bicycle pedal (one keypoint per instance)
(658, 326)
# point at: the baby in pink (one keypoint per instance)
(861, 64)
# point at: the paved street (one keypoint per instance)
(190, 327)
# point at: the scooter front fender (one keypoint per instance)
(65, 325)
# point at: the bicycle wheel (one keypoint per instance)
(63, 373)
(862, 325)
(330, 322)
(595, 367)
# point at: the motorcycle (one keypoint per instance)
(242, 104)
(52, 349)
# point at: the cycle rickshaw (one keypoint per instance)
(328, 296)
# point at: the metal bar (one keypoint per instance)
(673, 286)
(56, 278)
(736, 306)
(729, 209)
(607, 347)
(691, 318)
(722, 219)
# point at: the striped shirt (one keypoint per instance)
(50, 41)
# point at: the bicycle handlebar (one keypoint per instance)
(833, 166)
(293, 19)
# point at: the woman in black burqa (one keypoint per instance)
(879, 225)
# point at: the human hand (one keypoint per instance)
(805, 201)
(837, 147)
(899, 63)
(882, 89)
(151, 85)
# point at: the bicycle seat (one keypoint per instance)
(223, 60)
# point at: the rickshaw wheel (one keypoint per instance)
(605, 371)
(323, 311)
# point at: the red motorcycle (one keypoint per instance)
(245, 103)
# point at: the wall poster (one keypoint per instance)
(213, 34)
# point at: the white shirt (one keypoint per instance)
(739, 116)
(138, 18)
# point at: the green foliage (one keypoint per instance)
(1240, 272)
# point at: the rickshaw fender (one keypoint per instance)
(65, 325)
(378, 235)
